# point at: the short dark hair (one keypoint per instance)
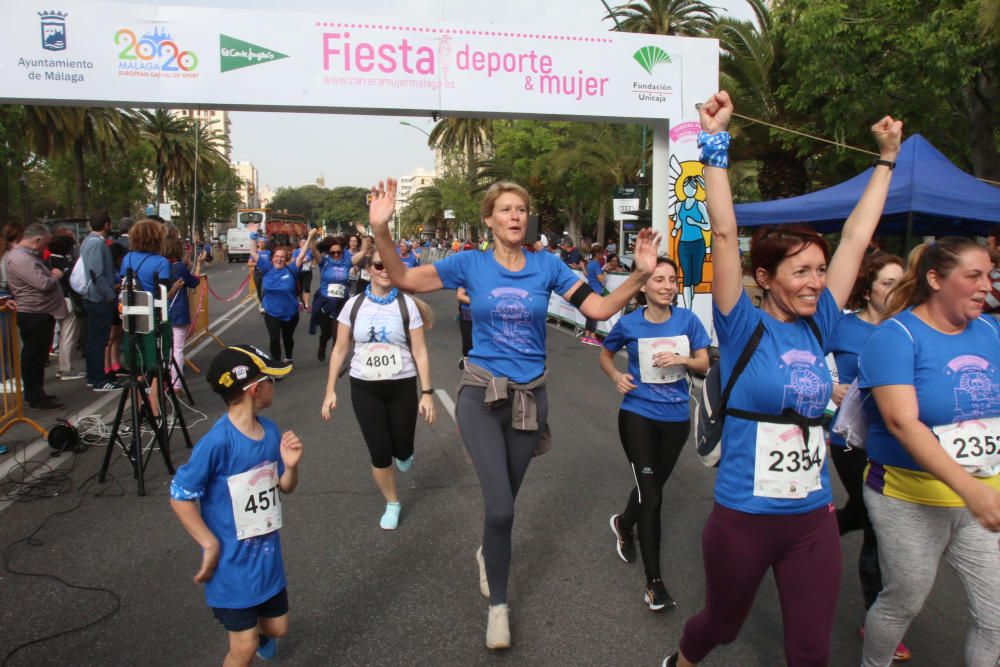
(99, 220)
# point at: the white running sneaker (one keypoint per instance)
(498, 628)
(484, 583)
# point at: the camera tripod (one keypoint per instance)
(134, 393)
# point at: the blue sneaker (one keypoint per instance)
(390, 519)
(267, 647)
(404, 466)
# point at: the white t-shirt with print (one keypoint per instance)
(380, 324)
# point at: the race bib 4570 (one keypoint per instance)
(256, 501)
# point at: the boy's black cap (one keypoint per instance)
(235, 367)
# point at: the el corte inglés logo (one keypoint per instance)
(235, 54)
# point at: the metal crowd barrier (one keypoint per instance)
(12, 398)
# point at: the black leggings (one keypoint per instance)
(387, 413)
(652, 447)
(501, 455)
(278, 330)
(850, 464)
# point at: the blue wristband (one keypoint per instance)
(714, 149)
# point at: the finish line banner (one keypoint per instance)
(119, 54)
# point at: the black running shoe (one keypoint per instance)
(624, 542)
(670, 661)
(657, 597)
(321, 353)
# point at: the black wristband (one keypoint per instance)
(889, 163)
(427, 391)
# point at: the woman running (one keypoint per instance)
(879, 274)
(305, 278)
(389, 354)
(502, 405)
(664, 343)
(280, 302)
(594, 274)
(335, 265)
(773, 506)
(933, 483)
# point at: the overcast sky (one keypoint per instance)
(295, 149)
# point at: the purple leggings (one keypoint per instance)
(738, 548)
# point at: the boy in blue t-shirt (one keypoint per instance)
(235, 473)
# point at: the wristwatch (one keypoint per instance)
(427, 391)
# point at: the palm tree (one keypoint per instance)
(602, 155)
(750, 69)
(472, 136)
(989, 17)
(53, 131)
(686, 18)
(425, 208)
(171, 138)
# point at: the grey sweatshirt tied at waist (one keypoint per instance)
(524, 414)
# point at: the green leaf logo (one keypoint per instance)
(651, 56)
(235, 54)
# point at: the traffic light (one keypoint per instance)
(368, 199)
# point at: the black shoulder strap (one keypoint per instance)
(354, 311)
(741, 364)
(404, 313)
(815, 329)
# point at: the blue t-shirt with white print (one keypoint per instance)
(788, 370)
(667, 402)
(250, 571)
(508, 308)
(280, 289)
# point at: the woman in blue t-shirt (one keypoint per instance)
(879, 274)
(933, 481)
(280, 302)
(503, 404)
(773, 506)
(664, 343)
(335, 264)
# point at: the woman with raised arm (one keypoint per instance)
(281, 301)
(335, 263)
(503, 404)
(932, 487)
(773, 506)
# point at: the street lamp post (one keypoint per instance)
(415, 127)
(25, 200)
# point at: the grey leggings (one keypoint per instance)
(501, 455)
(911, 540)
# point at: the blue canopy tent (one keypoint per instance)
(929, 196)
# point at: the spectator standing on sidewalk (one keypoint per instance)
(98, 299)
(40, 303)
(61, 258)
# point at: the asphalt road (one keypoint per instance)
(363, 596)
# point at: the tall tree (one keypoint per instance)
(470, 137)
(751, 70)
(170, 137)
(852, 61)
(53, 131)
(688, 18)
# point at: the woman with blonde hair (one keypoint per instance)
(933, 482)
(502, 405)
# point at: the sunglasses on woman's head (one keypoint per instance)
(336, 253)
(378, 266)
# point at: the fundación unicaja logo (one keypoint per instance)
(649, 57)
(236, 54)
(53, 30)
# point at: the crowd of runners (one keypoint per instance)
(914, 356)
